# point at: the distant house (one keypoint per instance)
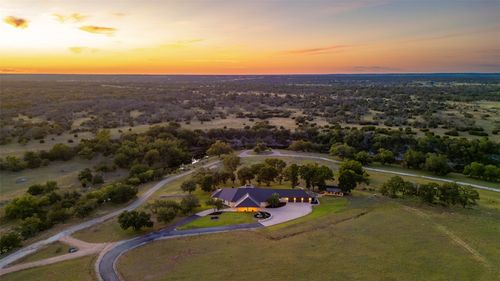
(251, 199)
(333, 191)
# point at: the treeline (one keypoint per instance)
(446, 194)
(166, 147)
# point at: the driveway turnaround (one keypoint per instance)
(106, 267)
(288, 212)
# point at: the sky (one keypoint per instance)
(249, 37)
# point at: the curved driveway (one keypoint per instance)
(106, 267)
(138, 202)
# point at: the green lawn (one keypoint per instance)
(81, 269)
(363, 237)
(226, 218)
(51, 250)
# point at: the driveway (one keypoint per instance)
(288, 212)
(106, 265)
(72, 229)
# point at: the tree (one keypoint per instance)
(393, 186)
(14, 164)
(120, 192)
(231, 162)
(260, 147)
(166, 214)
(278, 164)
(134, 219)
(85, 207)
(189, 204)
(205, 178)
(62, 152)
(216, 203)
(218, 148)
(342, 150)
(245, 174)
(351, 173)
(188, 186)
(85, 177)
(301, 145)
(385, 156)
(274, 200)
(437, 164)
(32, 159)
(30, 226)
(292, 174)
(22, 207)
(97, 179)
(307, 172)
(363, 157)
(427, 192)
(321, 175)
(448, 193)
(152, 156)
(267, 174)
(9, 241)
(414, 159)
(467, 196)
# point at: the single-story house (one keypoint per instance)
(250, 199)
(333, 190)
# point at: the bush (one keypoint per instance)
(189, 204)
(134, 219)
(9, 241)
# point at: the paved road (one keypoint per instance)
(279, 154)
(138, 202)
(107, 264)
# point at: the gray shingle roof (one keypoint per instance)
(257, 194)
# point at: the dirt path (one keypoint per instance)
(70, 230)
(457, 240)
(84, 249)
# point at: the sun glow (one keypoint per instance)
(242, 37)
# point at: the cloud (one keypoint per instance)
(79, 50)
(74, 17)
(98, 29)
(10, 70)
(317, 51)
(16, 22)
(375, 68)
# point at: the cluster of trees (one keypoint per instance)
(45, 205)
(439, 155)
(481, 171)
(32, 159)
(446, 194)
(87, 177)
(163, 210)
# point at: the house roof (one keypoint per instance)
(247, 201)
(257, 194)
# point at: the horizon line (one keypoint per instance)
(246, 74)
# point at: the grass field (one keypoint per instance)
(64, 172)
(369, 238)
(81, 269)
(51, 250)
(226, 218)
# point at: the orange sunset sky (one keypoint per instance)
(249, 37)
